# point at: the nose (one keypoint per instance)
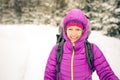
(73, 33)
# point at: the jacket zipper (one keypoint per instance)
(72, 64)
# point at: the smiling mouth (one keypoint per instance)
(74, 37)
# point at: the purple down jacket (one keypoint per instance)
(79, 69)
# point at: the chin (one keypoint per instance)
(73, 41)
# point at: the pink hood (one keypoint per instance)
(76, 14)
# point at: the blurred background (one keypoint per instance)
(103, 14)
(28, 31)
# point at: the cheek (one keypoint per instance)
(80, 34)
(68, 35)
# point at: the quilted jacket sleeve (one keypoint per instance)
(50, 71)
(102, 67)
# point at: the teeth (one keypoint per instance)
(73, 37)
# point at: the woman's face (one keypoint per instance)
(74, 33)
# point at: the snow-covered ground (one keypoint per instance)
(24, 50)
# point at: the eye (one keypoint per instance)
(70, 29)
(78, 29)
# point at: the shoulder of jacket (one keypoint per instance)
(96, 50)
(94, 47)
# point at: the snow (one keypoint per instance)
(24, 50)
(110, 47)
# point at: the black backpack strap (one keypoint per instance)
(89, 55)
(59, 37)
(59, 52)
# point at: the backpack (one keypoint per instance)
(59, 51)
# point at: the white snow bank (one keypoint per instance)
(24, 50)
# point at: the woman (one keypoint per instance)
(74, 65)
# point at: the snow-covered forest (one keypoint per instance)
(103, 14)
